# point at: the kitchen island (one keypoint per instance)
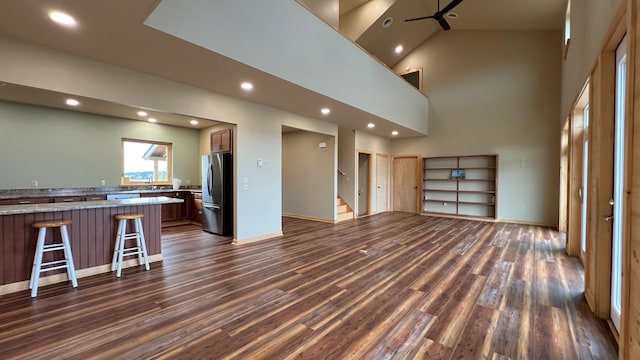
(92, 236)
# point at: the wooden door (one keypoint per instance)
(382, 182)
(364, 183)
(405, 183)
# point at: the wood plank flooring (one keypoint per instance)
(388, 286)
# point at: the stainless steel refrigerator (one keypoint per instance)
(217, 193)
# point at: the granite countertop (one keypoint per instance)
(78, 205)
(39, 193)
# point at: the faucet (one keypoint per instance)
(153, 187)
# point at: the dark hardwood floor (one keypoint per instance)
(391, 285)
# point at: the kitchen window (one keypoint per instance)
(146, 162)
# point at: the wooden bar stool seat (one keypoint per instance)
(120, 250)
(39, 266)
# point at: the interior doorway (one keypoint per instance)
(364, 183)
(405, 183)
(382, 182)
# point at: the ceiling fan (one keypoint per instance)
(439, 15)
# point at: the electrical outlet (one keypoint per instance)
(34, 183)
(103, 182)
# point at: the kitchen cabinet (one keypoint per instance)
(95, 197)
(25, 201)
(172, 212)
(460, 185)
(222, 140)
(68, 199)
(196, 208)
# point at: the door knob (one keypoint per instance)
(611, 202)
(607, 218)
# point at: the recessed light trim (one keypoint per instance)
(193, 122)
(62, 18)
(394, 133)
(387, 22)
(152, 120)
(399, 49)
(72, 102)
(325, 111)
(371, 125)
(246, 86)
(142, 113)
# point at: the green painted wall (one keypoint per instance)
(67, 149)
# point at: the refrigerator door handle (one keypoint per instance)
(209, 176)
(210, 206)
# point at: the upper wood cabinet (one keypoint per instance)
(222, 141)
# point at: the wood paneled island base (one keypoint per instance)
(92, 235)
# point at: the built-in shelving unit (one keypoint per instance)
(460, 185)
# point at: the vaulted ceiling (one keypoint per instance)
(128, 43)
(362, 21)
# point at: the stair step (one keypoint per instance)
(345, 216)
(342, 208)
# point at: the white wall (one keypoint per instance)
(280, 38)
(308, 175)
(590, 20)
(63, 149)
(496, 92)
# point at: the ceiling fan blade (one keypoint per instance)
(420, 18)
(450, 7)
(443, 23)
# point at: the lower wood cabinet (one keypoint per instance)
(196, 208)
(173, 212)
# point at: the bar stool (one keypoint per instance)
(41, 248)
(120, 250)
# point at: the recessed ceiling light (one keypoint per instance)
(142, 113)
(247, 86)
(394, 133)
(62, 18)
(371, 125)
(72, 102)
(387, 22)
(194, 122)
(399, 49)
(325, 111)
(152, 120)
(452, 15)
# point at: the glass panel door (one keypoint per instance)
(618, 183)
(585, 180)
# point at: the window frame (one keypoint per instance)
(169, 181)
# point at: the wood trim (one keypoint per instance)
(82, 273)
(310, 218)
(256, 238)
(598, 256)
(420, 76)
(629, 331)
